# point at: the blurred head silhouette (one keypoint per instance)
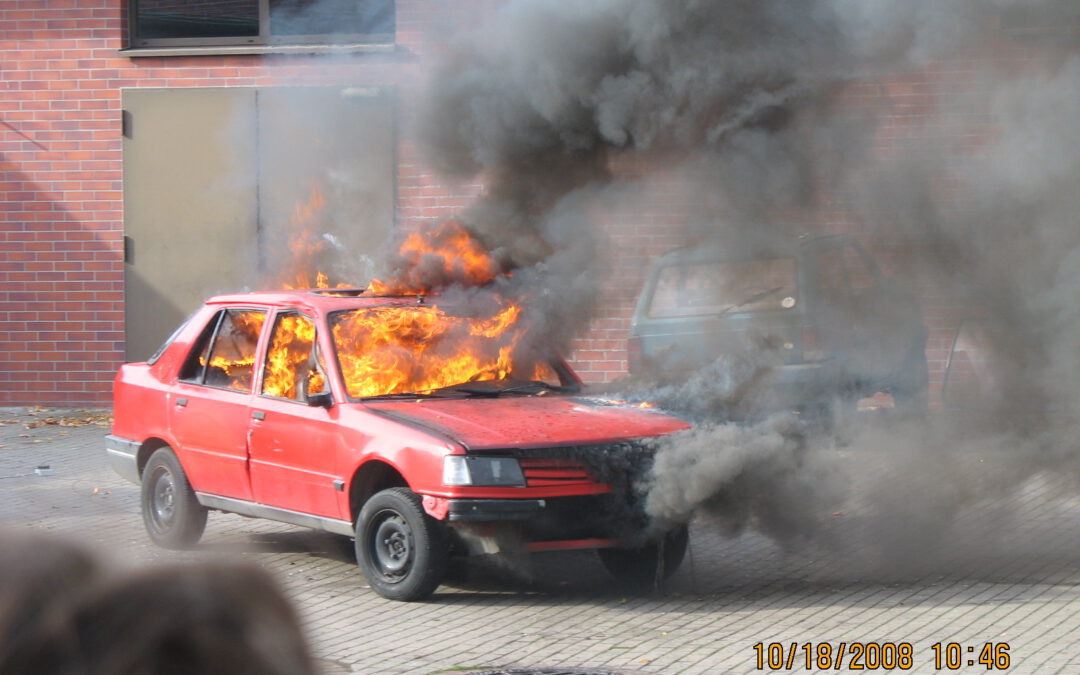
(60, 613)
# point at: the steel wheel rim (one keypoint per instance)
(392, 546)
(163, 499)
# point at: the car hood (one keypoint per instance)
(529, 421)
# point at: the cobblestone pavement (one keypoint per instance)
(1008, 574)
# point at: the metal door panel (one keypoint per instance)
(341, 143)
(190, 207)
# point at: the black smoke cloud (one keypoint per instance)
(743, 100)
(544, 99)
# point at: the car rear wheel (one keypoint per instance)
(172, 515)
(647, 566)
(401, 550)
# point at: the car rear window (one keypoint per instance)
(224, 355)
(721, 287)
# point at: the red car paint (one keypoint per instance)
(316, 465)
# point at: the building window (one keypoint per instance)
(187, 23)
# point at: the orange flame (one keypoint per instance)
(385, 350)
(436, 257)
(289, 362)
(388, 350)
(306, 245)
(244, 327)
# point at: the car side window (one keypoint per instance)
(294, 368)
(224, 355)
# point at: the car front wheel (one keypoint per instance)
(401, 550)
(172, 515)
(647, 566)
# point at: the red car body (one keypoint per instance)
(317, 459)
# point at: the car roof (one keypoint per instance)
(318, 299)
(745, 248)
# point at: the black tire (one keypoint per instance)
(174, 518)
(640, 567)
(401, 550)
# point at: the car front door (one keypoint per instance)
(292, 442)
(209, 403)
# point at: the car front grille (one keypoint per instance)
(618, 464)
(547, 471)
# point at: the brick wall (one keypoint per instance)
(61, 193)
(61, 220)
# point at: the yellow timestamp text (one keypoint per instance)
(877, 655)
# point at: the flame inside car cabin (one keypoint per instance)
(387, 350)
(245, 327)
(393, 349)
(291, 347)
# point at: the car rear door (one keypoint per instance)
(292, 443)
(208, 406)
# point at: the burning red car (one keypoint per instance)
(417, 427)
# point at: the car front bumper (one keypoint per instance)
(481, 510)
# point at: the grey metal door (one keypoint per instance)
(213, 180)
(190, 210)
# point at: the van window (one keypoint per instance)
(720, 287)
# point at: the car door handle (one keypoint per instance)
(258, 415)
(181, 402)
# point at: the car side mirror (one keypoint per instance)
(323, 399)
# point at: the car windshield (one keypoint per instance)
(722, 287)
(423, 350)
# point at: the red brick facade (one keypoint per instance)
(61, 192)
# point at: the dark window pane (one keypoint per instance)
(332, 17)
(156, 19)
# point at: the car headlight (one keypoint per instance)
(482, 471)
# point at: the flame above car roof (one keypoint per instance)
(326, 298)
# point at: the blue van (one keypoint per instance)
(812, 321)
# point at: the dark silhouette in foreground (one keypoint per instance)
(62, 612)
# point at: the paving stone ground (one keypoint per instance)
(1006, 571)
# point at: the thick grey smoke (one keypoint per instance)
(736, 97)
(748, 103)
(552, 92)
